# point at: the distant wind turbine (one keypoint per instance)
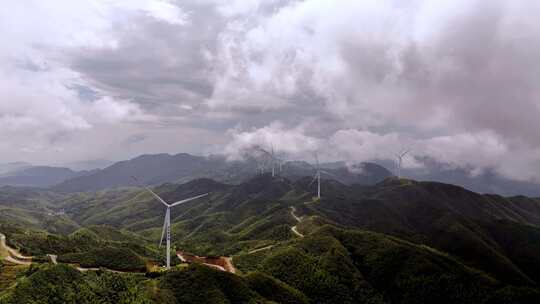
(399, 161)
(280, 163)
(317, 176)
(167, 224)
(280, 160)
(272, 157)
(260, 168)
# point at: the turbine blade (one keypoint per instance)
(311, 165)
(188, 199)
(404, 152)
(314, 178)
(152, 192)
(328, 173)
(164, 228)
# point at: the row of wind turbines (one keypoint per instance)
(276, 162)
(277, 166)
(318, 171)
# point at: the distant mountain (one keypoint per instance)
(164, 168)
(150, 169)
(485, 182)
(88, 165)
(38, 176)
(8, 167)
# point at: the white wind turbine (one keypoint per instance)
(167, 224)
(399, 161)
(280, 161)
(260, 167)
(272, 156)
(318, 176)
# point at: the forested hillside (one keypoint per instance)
(399, 241)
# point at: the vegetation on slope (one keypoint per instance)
(396, 242)
(64, 284)
(333, 265)
(109, 257)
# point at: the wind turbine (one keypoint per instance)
(399, 158)
(260, 167)
(280, 163)
(272, 156)
(318, 176)
(167, 224)
(280, 160)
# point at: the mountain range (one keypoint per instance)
(396, 241)
(162, 168)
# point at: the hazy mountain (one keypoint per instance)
(8, 167)
(484, 182)
(150, 169)
(38, 176)
(88, 165)
(162, 168)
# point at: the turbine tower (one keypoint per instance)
(317, 176)
(273, 158)
(167, 223)
(260, 167)
(399, 161)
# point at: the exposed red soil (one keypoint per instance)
(220, 263)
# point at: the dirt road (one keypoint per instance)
(11, 255)
(220, 263)
(260, 249)
(53, 258)
(294, 228)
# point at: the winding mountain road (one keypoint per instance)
(53, 258)
(11, 255)
(294, 228)
(260, 249)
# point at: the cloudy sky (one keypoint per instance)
(457, 81)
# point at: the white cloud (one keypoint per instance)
(454, 80)
(476, 151)
(111, 110)
(40, 106)
(287, 140)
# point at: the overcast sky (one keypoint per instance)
(457, 81)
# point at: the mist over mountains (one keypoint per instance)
(155, 169)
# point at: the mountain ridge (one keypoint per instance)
(154, 169)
